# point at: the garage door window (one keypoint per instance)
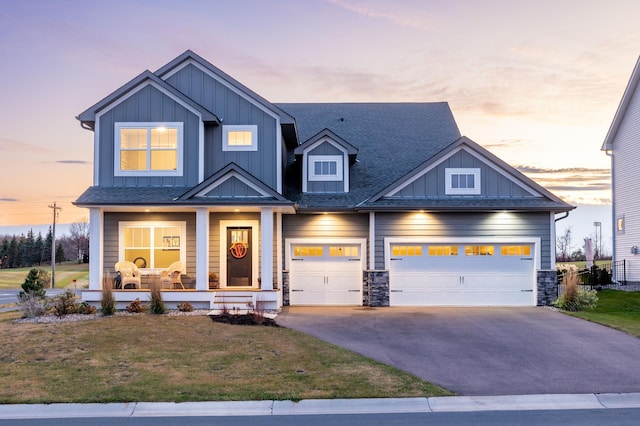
(479, 250)
(443, 250)
(311, 251)
(516, 250)
(343, 251)
(406, 250)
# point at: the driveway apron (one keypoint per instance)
(483, 351)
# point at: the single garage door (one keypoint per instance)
(491, 274)
(325, 274)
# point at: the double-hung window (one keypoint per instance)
(148, 149)
(325, 167)
(462, 181)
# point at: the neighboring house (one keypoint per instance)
(371, 204)
(622, 144)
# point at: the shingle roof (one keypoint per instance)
(392, 139)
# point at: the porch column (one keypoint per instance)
(372, 241)
(266, 247)
(96, 261)
(202, 248)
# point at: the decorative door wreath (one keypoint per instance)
(238, 249)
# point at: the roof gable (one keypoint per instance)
(231, 183)
(327, 135)
(143, 80)
(425, 184)
(190, 58)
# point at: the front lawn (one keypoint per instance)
(616, 309)
(168, 358)
(65, 274)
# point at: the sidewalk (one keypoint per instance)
(325, 406)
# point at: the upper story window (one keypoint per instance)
(148, 149)
(240, 138)
(325, 167)
(620, 224)
(462, 181)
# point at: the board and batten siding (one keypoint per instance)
(626, 181)
(231, 109)
(463, 225)
(152, 106)
(111, 237)
(493, 183)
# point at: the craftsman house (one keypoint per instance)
(224, 198)
(621, 144)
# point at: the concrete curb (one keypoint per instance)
(325, 406)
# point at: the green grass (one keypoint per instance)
(162, 358)
(616, 309)
(65, 274)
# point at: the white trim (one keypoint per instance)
(201, 151)
(202, 248)
(96, 154)
(313, 159)
(552, 237)
(279, 251)
(240, 128)
(118, 125)
(324, 241)
(372, 240)
(96, 248)
(155, 224)
(255, 247)
(279, 159)
(450, 172)
(266, 244)
(536, 241)
(228, 176)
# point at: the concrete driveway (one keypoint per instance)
(483, 351)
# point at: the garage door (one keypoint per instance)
(423, 274)
(325, 274)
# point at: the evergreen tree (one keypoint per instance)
(26, 250)
(60, 253)
(34, 284)
(38, 248)
(4, 251)
(46, 258)
(13, 254)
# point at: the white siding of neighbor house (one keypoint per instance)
(625, 166)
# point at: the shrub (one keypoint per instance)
(157, 304)
(32, 306)
(136, 307)
(107, 302)
(35, 283)
(573, 298)
(185, 307)
(64, 303)
(85, 309)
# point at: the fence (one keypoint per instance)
(600, 275)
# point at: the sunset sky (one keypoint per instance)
(537, 83)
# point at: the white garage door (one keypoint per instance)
(424, 274)
(325, 274)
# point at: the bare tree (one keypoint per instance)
(563, 245)
(80, 236)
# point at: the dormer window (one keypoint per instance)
(240, 138)
(325, 167)
(462, 181)
(148, 149)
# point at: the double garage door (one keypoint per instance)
(420, 273)
(461, 274)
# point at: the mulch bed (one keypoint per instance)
(243, 319)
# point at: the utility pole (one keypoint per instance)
(53, 244)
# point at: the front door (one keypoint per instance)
(239, 257)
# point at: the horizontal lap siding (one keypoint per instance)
(111, 221)
(626, 196)
(463, 225)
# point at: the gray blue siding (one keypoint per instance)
(463, 225)
(149, 105)
(232, 109)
